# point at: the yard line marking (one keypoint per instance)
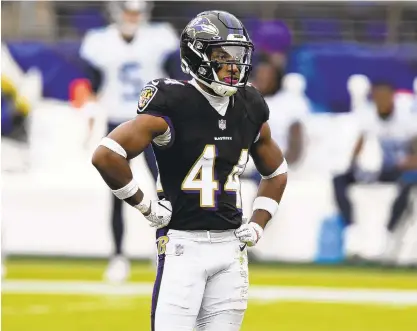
(86, 306)
(256, 292)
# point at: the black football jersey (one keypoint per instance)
(200, 166)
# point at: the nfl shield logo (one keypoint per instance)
(222, 124)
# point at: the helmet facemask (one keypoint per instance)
(224, 65)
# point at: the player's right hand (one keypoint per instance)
(159, 213)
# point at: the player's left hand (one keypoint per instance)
(249, 233)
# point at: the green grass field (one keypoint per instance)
(32, 300)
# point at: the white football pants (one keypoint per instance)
(202, 281)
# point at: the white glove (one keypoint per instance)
(160, 212)
(249, 233)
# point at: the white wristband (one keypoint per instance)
(282, 169)
(268, 204)
(113, 146)
(127, 191)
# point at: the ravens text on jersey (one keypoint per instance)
(201, 162)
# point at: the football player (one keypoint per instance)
(203, 132)
(119, 65)
(394, 129)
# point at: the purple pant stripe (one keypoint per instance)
(157, 285)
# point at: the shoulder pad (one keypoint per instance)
(251, 89)
(158, 94)
(169, 81)
(147, 94)
(95, 33)
(92, 45)
(163, 82)
(100, 29)
(257, 103)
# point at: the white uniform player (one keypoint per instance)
(289, 110)
(120, 63)
(393, 132)
(126, 65)
(395, 137)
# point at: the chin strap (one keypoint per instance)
(219, 89)
(222, 90)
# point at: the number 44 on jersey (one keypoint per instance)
(201, 178)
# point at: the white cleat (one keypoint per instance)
(353, 242)
(390, 249)
(118, 270)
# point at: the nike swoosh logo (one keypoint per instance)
(155, 82)
(242, 247)
(159, 203)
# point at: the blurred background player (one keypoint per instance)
(284, 93)
(359, 88)
(289, 108)
(394, 132)
(120, 59)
